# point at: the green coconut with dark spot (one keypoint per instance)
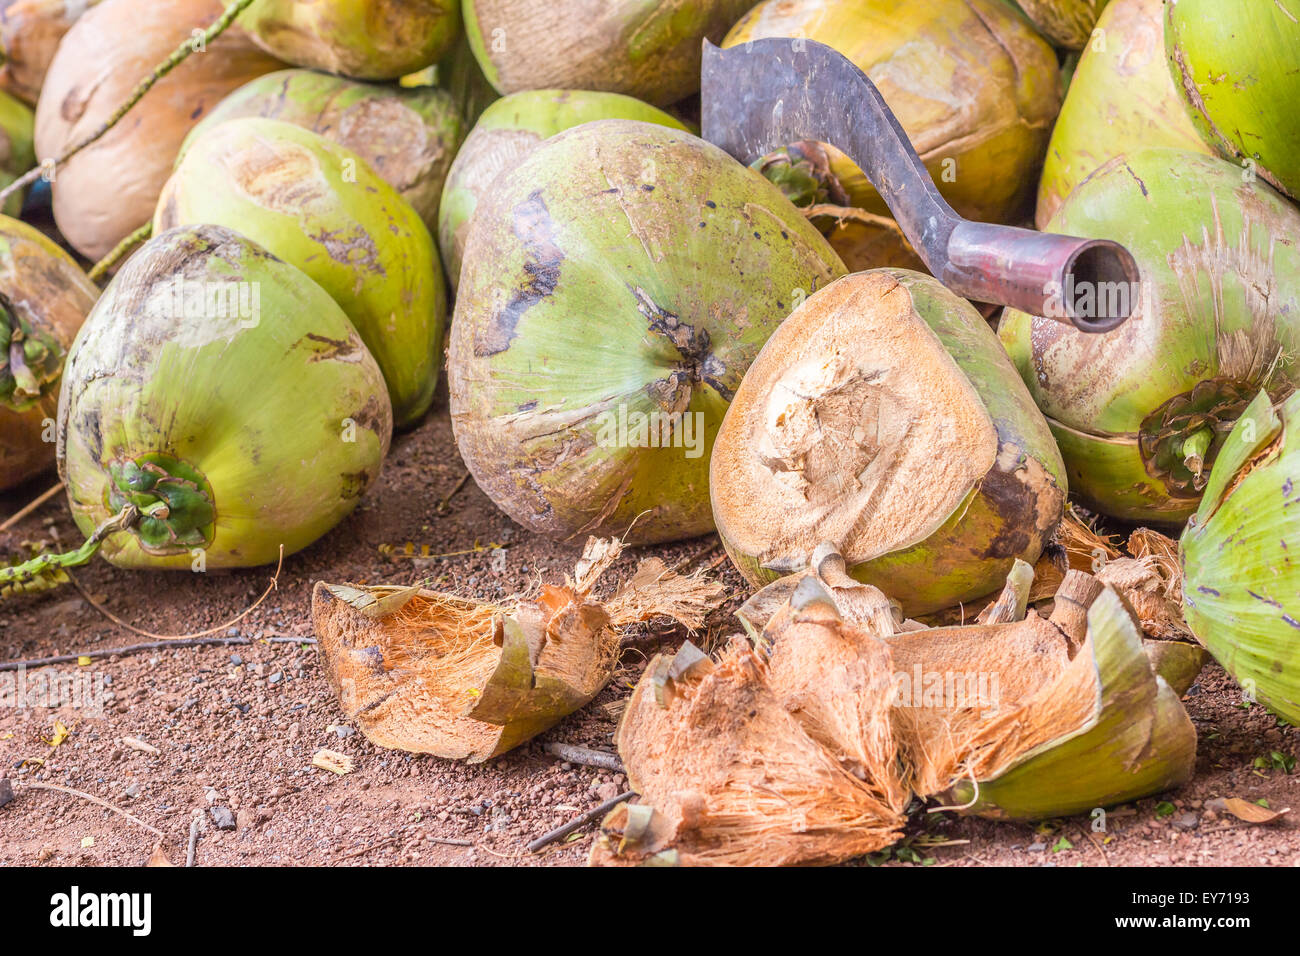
(884, 419)
(1240, 594)
(1237, 66)
(506, 134)
(408, 136)
(1141, 412)
(224, 397)
(320, 207)
(615, 288)
(365, 39)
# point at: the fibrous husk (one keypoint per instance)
(30, 31)
(108, 51)
(1026, 719)
(429, 672)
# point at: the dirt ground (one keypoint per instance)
(235, 727)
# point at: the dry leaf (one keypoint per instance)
(159, 858)
(61, 733)
(333, 761)
(1253, 812)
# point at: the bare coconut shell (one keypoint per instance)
(434, 673)
(110, 189)
(30, 31)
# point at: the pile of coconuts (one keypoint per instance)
(245, 241)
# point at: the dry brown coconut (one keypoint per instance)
(110, 189)
(428, 672)
(731, 775)
(30, 31)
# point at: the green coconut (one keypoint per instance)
(506, 134)
(1122, 98)
(17, 146)
(1067, 23)
(320, 207)
(649, 49)
(920, 458)
(44, 298)
(364, 39)
(217, 406)
(615, 288)
(972, 84)
(1141, 412)
(1238, 596)
(408, 136)
(1235, 65)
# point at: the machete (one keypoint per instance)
(763, 95)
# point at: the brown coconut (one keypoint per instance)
(30, 31)
(110, 189)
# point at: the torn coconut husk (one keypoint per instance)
(428, 672)
(1028, 718)
(731, 775)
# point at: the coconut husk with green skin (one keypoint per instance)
(835, 433)
(506, 134)
(17, 147)
(320, 207)
(972, 84)
(44, 298)
(1235, 66)
(1238, 598)
(615, 288)
(1023, 718)
(1122, 98)
(363, 39)
(99, 63)
(408, 136)
(427, 672)
(30, 31)
(1141, 412)
(649, 49)
(226, 398)
(1067, 23)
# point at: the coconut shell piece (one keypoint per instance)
(428, 672)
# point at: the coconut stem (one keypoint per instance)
(42, 571)
(177, 57)
(1195, 448)
(119, 252)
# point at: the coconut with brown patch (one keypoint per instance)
(650, 49)
(44, 298)
(1141, 412)
(322, 208)
(408, 136)
(109, 189)
(365, 39)
(615, 288)
(883, 418)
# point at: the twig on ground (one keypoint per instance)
(581, 755)
(28, 508)
(196, 824)
(447, 841)
(93, 799)
(151, 646)
(559, 833)
(444, 506)
(275, 580)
